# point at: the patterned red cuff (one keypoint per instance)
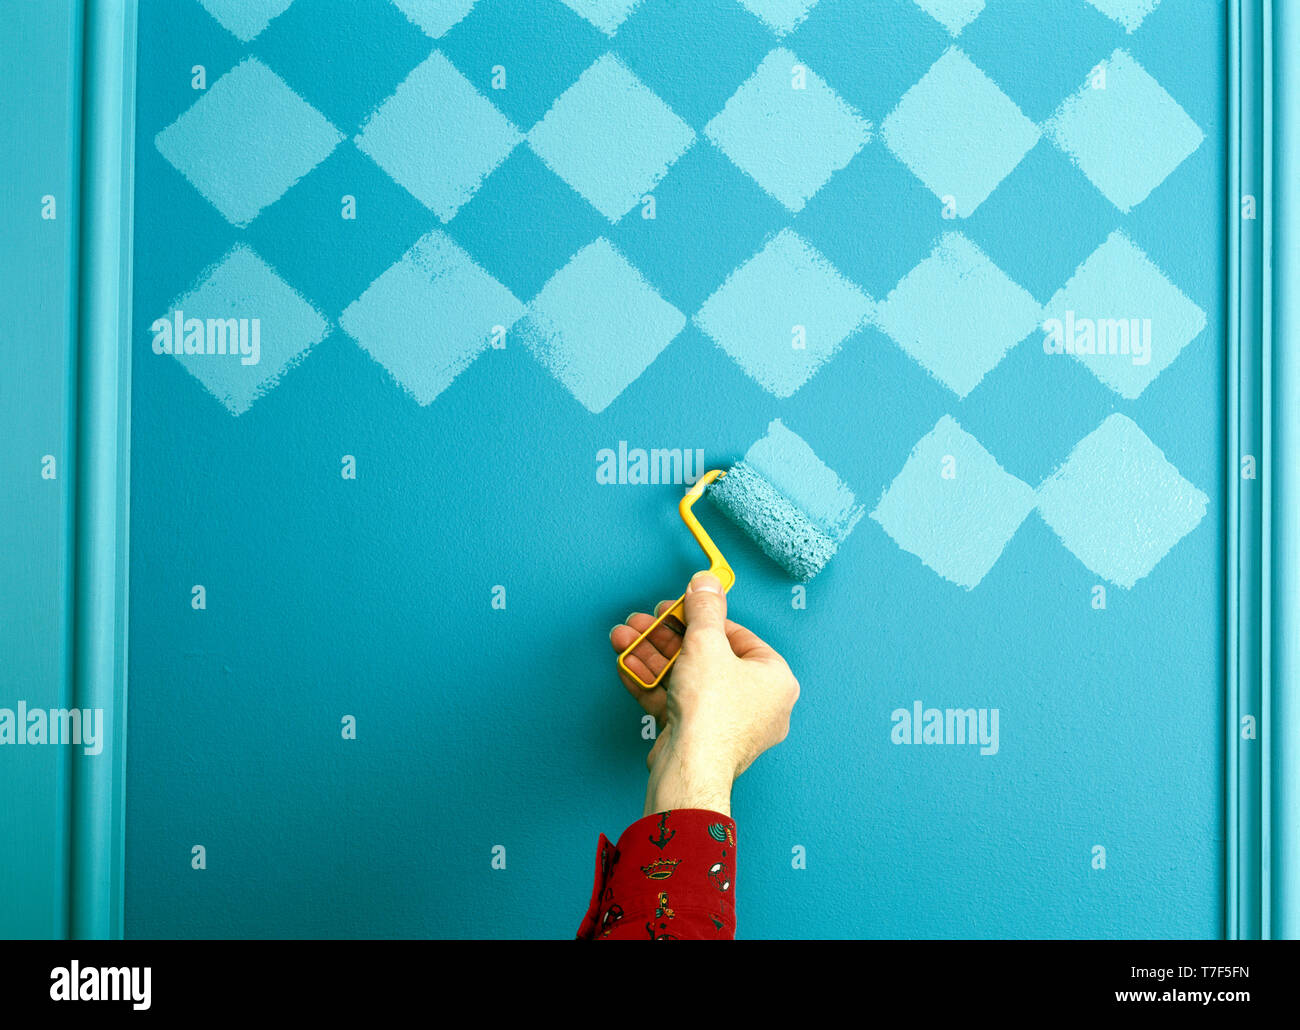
(670, 877)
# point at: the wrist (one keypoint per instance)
(686, 778)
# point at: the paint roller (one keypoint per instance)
(781, 529)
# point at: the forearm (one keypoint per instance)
(687, 777)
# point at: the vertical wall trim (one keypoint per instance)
(1245, 856)
(1232, 859)
(102, 461)
(1266, 476)
(1284, 723)
(1263, 560)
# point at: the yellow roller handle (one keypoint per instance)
(717, 565)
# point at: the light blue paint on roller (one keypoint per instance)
(786, 461)
(794, 506)
(785, 534)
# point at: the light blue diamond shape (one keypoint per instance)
(1126, 138)
(429, 315)
(1121, 307)
(434, 17)
(958, 132)
(597, 325)
(245, 19)
(783, 313)
(247, 140)
(610, 138)
(1117, 503)
(940, 314)
(1129, 13)
(789, 140)
(606, 15)
(242, 286)
(781, 16)
(438, 137)
(953, 15)
(953, 506)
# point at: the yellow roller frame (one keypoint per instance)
(717, 565)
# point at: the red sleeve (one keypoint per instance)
(670, 877)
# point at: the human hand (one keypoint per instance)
(726, 700)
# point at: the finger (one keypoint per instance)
(622, 635)
(746, 643)
(672, 621)
(646, 660)
(706, 612)
(663, 638)
(640, 670)
(666, 637)
(653, 701)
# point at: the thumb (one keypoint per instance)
(706, 612)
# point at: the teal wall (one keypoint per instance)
(329, 597)
(40, 55)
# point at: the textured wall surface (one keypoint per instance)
(477, 244)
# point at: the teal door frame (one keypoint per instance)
(67, 119)
(101, 460)
(1262, 796)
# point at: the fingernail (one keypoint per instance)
(628, 620)
(612, 629)
(706, 582)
